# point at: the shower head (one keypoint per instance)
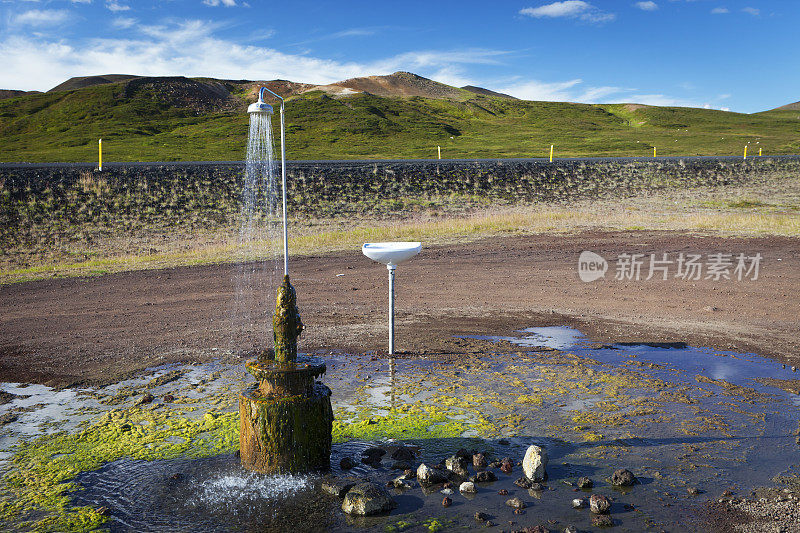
(261, 106)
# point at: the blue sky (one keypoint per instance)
(741, 55)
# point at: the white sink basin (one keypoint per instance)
(391, 253)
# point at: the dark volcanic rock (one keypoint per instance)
(483, 477)
(347, 463)
(516, 503)
(366, 499)
(479, 460)
(457, 465)
(602, 520)
(599, 504)
(623, 478)
(585, 483)
(403, 453)
(336, 486)
(429, 475)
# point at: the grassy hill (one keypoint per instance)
(180, 119)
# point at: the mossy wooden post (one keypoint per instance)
(285, 420)
(286, 324)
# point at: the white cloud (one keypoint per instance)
(123, 22)
(41, 17)
(191, 48)
(81, 1)
(215, 3)
(569, 9)
(546, 91)
(719, 11)
(116, 7)
(647, 6)
(597, 94)
(752, 11)
(354, 32)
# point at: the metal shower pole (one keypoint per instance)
(283, 181)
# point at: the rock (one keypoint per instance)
(401, 483)
(483, 477)
(536, 486)
(403, 453)
(481, 517)
(145, 399)
(337, 487)
(430, 476)
(506, 466)
(479, 460)
(602, 520)
(503, 442)
(516, 503)
(446, 502)
(372, 456)
(464, 453)
(693, 491)
(519, 511)
(6, 397)
(447, 491)
(536, 529)
(103, 511)
(495, 464)
(366, 499)
(401, 465)
(502, 492)
(168, 398)
(599, 504)
(623, 478)
(457, 465)
(570, 529)
(534, 465)
(468, 487)
(523, 482)
(578, 503)
(585, 483)
(7, 418)
(347, 463)
(409, 473)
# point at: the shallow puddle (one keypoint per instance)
(678, 417)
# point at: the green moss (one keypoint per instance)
(36, 487)
(436, 524)
(398, 425)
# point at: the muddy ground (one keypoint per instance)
(64, 332)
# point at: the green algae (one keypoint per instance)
(38, 481)
(399, 426)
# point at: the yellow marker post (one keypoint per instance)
(745, 151)
(759, 152)
(100, 154)
(439, 148)
(551, 153)
(654, 151)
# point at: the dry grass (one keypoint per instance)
(742, 211)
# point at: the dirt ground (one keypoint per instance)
(64, 332)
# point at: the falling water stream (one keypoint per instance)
(256, 275)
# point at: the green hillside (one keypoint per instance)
(179, 119)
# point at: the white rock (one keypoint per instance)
(535, 463)
(577, 503)
(468, 487)
(446, 492)
(430, 476)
